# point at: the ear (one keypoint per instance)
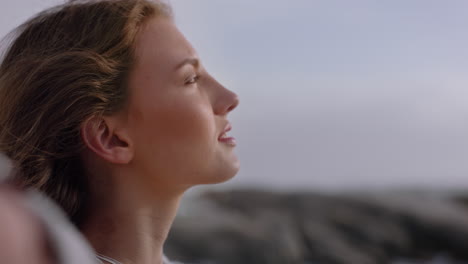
(103, 136)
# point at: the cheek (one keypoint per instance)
(175, 135)
(183, 125)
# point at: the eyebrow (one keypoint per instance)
(193, 61)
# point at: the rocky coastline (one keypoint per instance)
(255, 226)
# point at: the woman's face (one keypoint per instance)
(177, 113)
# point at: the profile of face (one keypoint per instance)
(176, 118)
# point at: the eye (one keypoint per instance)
(193, 79)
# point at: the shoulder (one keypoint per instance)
(65, 240)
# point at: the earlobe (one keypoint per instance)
(101, 136)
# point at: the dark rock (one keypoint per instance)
(248, 226)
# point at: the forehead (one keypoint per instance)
(160, 43)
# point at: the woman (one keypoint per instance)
(106, 108)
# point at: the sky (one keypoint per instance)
(335, 94)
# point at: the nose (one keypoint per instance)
(226, 101)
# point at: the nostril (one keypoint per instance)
(226, 102)
(234, 104)
(231, 108)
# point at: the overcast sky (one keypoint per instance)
(334, 93)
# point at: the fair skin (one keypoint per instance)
(167, 139)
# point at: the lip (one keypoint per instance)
(228, 140)
(227, 128)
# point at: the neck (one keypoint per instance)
(126, 225)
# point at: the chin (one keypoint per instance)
(227, 172)
(227, 177)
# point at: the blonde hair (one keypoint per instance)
(66, 64)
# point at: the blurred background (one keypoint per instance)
(341, 94)
(352, 130)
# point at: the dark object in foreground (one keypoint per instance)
(256, 227)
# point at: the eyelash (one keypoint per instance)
(192, 80)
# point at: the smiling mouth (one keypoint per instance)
(228, 140)
(224, 138)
